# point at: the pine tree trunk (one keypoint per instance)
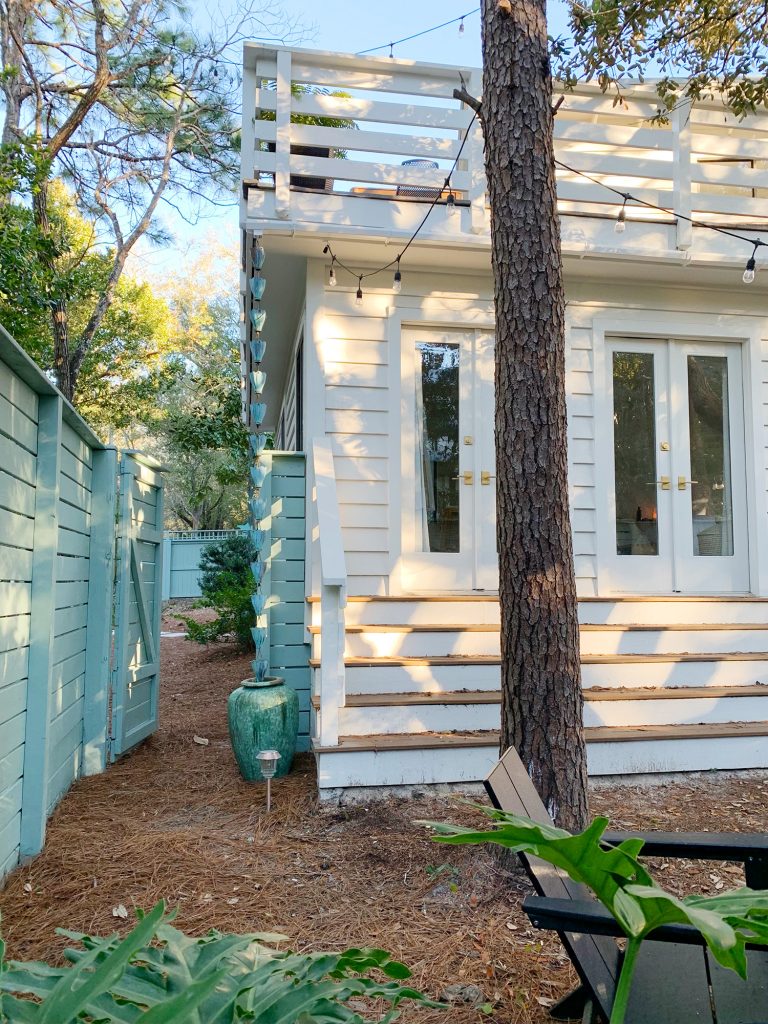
(541, 672)
(62, 357)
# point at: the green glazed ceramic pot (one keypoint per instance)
(263, 716)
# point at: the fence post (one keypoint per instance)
(265, 620)
(34, 807)
(99, 623)
(167, 542)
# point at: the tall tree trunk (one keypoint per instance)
(541, 672)
(62, 358)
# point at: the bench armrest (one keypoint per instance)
(751, 850)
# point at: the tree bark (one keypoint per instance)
(541, 673)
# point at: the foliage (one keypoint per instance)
(710, 48)
(622, 884)
(195, 428)
(159, 975)
(137, 110)
(226, 585)
(127, 365)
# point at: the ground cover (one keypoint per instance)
(175, 821)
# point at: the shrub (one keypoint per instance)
(226, 584)
(159, 975)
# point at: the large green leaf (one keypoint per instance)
(584, 857)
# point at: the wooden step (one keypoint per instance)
(594, 735)
(585, 627)
(373, 700)
(492, 596)
(587, 659)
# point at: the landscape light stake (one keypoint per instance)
(268, 764)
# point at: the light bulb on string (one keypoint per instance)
(397, 283)
(749, 271)
(461, 26)
(621, 221)
(332, 274)
(359, 295)
(450, 205)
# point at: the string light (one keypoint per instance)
(397, 283)
(332, 275)
(450, 205)
(621, 221)
(749, 271)
(418, 35)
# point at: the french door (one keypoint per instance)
(677, 494)
(448, 461)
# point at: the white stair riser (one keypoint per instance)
(417, 718)
(417, 613)
(420, 718)
(643, 613)
(675, 673)
(404, 767)
(429, 644)
(697, 710)
(424, 613)
(471, 764)
(678, 755)
(695, 641)
(421, 678)
(420, 645)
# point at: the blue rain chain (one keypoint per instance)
(258, 472)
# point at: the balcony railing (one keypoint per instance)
(361, 144)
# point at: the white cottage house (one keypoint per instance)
(390, 397)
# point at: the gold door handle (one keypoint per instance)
(467, 476)
(682, 483)
(663, 483)
(486, 477)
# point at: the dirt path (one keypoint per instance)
(174, 820)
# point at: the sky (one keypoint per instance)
(345, 26)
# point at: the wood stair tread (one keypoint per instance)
(492, 596)
(593, 734)
(586, 627)
(586, 659)
(618, 693)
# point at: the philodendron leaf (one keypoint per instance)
(606, 870)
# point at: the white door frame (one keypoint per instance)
(745, 331)
(475, 566)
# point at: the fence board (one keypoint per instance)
(56, 578)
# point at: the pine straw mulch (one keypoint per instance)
(174, 820)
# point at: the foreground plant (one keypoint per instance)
(159, 975)
(727, 922)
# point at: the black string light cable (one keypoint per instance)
(397, 284)
(626, 197)
(418, 35)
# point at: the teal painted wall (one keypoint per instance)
(288, 651)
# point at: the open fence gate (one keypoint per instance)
(138, 601)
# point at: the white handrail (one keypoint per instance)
(333, 594)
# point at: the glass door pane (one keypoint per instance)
(634, 449)
(438, 511)
(711, 491)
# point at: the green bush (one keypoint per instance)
(159, 975)
(226, 584)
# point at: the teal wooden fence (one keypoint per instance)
(284, 490)
(181, 560)
(58, 487)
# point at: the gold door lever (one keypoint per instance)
(682, 483)
(467, 476)
(486, 477)
(663, 482)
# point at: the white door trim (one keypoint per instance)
(747, 331)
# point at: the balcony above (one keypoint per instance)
(340, 146)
